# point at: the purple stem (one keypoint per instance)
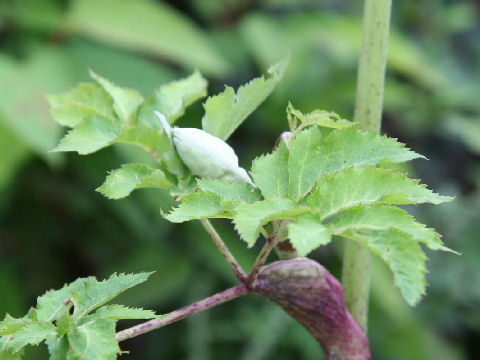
(192, 309)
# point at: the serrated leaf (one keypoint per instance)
(32, 334)
(57, 347)
(270, 172)
(350, 146)
(121, 182)
(307, 233)
(249, 218)
(86, 99)
(200, 205)
(10, 325)
(90, 135)
(93, 294)
(230, 190)
(227, 110)
(368, 185)
(303, 162)
(150, 139)
(125, 101)
(93, 341)
(384, 217)
(317, 117)
(173, 98)
(119, 312)
(404, 257)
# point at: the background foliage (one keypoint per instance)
(55, 228)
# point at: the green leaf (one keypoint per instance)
(121, 182)
(93, 341)
(229, 190)
(10, 325)
(119, 312)
(317, 117)
(350, 146)
(270, 172)
(369, 185)
(200, 205)
(173, 98)
(227, 110)
(303, 162)
(249, 218)
(94, 293)
(57, 347)
(90, 135)
(32, 334)
(125, 101)
(86, 99)
(307, 233)
(404, 257)
(384, 217)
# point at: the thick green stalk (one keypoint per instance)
(368, 112)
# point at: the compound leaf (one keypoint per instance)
(249, 218)
(270, 172)
(384, 217)
(368, 185)
(308, 233)
(90, 135)
(125, 101)
(404, 257)
(226, 111)
(93, 293)
(86, 99)
(200, 205)
(121, 182)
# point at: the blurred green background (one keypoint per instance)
(54, 227)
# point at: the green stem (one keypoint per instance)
(368, 112)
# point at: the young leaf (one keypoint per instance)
(94, 294)
(307, 233)
(32, 334)
(86, 99)
(173, 98)
(118, 312)
(384, 217)
(368, 185)
(125, 101)
(229, 190)
(90, 135)
(227, 110)
(121, 182)
(249, 218)
(200, 205)
(303, 162)
(270, 172)
(350, 146)
(94, 340)
(317, 117)
(404, 257)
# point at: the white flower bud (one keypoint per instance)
(206, 155)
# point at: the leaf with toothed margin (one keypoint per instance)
(93, 293)
(121, 182)
(270, 172)
(308, 233)
(317, 117)
(303, 162)
(90, 135)
(356, 186)
(86, 99)
(125, 101)
(201, 205)
(119, 312)
(249, 218)
(230, 190)
(226, 111)
(384, 217)
(32, 334)
(404, 257)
